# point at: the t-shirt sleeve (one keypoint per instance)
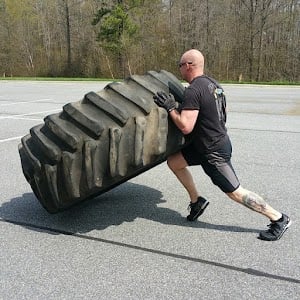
(191, 100)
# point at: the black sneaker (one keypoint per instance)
(197, 208)
(276, 229)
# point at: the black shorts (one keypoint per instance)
(216, 165)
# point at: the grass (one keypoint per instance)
(57, 79)
(263, 82)
(109, 79)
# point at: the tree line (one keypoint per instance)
(242, 40)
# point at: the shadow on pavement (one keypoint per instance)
(125, 203)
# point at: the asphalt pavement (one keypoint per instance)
(134, 242)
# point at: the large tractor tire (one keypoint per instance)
(101, 141)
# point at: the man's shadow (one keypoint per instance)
(124, 203)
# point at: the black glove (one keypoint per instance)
(165, 101)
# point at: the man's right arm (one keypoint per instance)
(184, 120)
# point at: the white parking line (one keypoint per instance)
(22, 102)
(29, 114)
(25, 118)
(11, 139)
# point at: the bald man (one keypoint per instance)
(201, 118)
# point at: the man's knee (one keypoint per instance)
(176, 161)
(171, 161)
(237, 194)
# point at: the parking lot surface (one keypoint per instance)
(134, 242)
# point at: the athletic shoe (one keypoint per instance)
(197, 208)
(276, 229)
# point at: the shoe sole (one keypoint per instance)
(283, 231)
(200, 212)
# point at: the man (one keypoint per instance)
(201, 117)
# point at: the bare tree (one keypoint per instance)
(256, 40)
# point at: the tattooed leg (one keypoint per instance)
(254, 202)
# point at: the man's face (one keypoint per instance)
(183, 65)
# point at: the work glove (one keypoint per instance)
(165, 101)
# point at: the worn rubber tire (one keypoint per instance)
(101, 141)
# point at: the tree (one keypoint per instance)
(117, 30)
(256, 40)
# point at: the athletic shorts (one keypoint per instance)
(216, 165)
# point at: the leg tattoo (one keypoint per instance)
(254, 202)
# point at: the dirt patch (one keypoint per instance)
(295, 111)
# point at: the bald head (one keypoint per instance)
(196, 66)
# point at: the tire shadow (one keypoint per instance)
(124, 203)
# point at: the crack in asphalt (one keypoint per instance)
(248, 271)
